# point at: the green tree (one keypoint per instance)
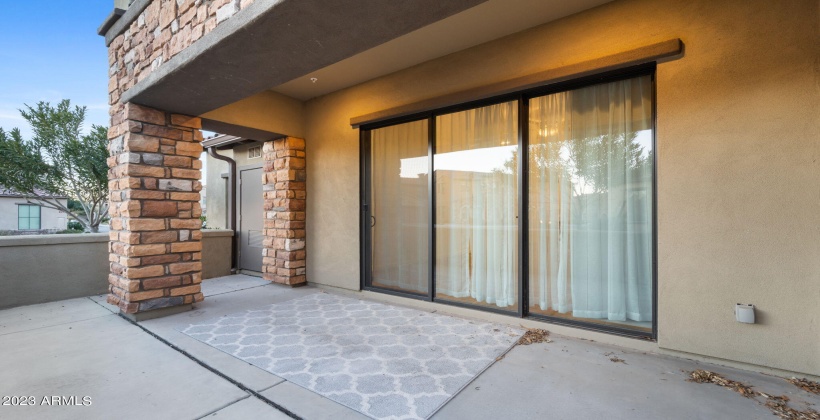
(59, 160)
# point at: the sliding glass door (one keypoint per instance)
(553, 219)
(476, 178)
(590, 203)
(399, 214)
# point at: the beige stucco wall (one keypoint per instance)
(215, 200)
(254, 112)
(49, 218)
(216, 253)
(738, 169)
(240, 155)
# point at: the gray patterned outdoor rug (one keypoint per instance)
(386, 362)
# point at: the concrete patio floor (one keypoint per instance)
(82, 348)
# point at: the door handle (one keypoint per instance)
(372, 221)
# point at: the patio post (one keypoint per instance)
(155, 238)
(283, 186)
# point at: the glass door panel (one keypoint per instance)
(399, 213)
(590, 204)
(476, 184)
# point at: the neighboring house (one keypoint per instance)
(26, 216)
(626, 168)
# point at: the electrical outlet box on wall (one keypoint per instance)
(745, 313)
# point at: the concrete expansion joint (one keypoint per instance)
(224, 406)
(247, 288)
(213, 370)
(54, 325)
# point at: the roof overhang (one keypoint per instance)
(125, 12)
(221, 140)
(109, 21)
(227, 141)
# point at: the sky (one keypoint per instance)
(49, 51)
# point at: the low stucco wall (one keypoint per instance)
(46, 268)
(216, 252)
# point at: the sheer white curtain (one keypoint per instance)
(400, 206)
(477, 205)
(591, 201)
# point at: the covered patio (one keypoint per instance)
(603, 166)
(151, 369)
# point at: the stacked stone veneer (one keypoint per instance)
(155, 237)
(162, 30)
(283, 185)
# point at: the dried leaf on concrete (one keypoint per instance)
(704, 376)
(779, 407)
(777, 404)
(806, 385)
(534, 335)
(614, 358)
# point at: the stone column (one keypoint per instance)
(155, 239)
(283, 185)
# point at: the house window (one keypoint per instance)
(255, 152)
(539, 203)
(28, 217)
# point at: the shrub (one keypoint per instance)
(70, 231)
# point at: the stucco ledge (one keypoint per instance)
(215, 233)
(55, 239)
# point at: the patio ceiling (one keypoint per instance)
(483, 23)
(283, 45)
(271, 42)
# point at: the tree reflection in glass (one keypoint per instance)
(590, 203)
